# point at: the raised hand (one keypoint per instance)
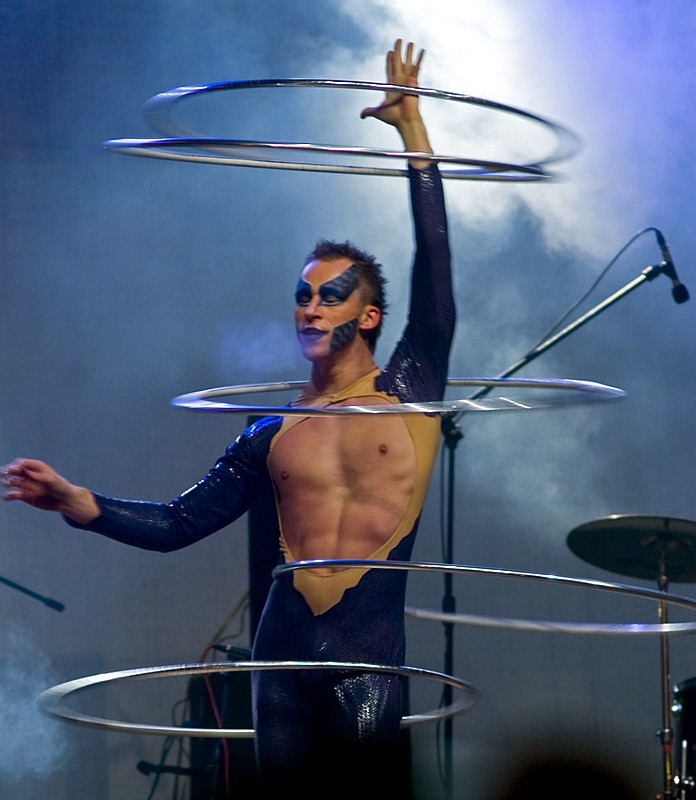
(401, 70)
(401, 108)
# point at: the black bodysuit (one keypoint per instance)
(314, 719)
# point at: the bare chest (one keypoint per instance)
(350, 453)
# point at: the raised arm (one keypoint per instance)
(417, 369)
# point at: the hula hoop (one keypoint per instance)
(171, 150)
(52, 700)
(633, 628)
(569, 392)
(159, 110)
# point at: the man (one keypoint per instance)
(348, 487)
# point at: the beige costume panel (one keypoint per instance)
(323, 591)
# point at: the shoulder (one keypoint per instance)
(256, 438)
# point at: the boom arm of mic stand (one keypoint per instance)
(648, 274)
(452, 436)
(47, 601)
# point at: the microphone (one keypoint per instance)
(679, 292)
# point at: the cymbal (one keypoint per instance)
(642, 547)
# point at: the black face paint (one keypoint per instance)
(333, 292)
(343, 334)
(303, 293)
(341, 287)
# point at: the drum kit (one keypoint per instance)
(662, 549)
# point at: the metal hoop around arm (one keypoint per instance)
(185, 145)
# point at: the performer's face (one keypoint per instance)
(330, 308)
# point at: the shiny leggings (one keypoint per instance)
(324, 728)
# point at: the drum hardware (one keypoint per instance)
(660, 548)
(683, 710)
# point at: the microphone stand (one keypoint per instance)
(453, 435)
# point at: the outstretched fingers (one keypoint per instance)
(403, 66)
(402, 69)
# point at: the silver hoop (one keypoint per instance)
(177, 149)
(158, 113)
(634, 628)
(52, 700)
(568, 392)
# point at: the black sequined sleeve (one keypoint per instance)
(417, 370)
(219, 498)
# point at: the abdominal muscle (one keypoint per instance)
(342, 484)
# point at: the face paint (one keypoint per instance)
(343, 334)
(341, 287)
(333, 292)
(327, 314)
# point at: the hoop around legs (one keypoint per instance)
(548, 626)
(52, 701)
